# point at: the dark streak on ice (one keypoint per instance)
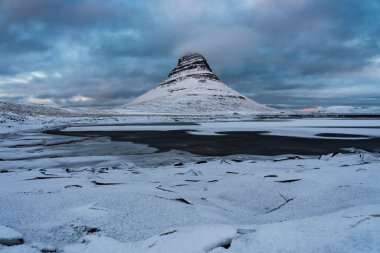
(288, 181)
(342, 135)
(101, 183)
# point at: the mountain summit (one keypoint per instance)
(191, 65)
(192, 88)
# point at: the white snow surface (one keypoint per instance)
(20, 249)
(350, 230)
(145, 209)
(187, 240)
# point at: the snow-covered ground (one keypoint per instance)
(90, 194)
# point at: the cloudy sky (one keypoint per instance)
(298, 53)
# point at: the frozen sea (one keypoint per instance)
(120, 185)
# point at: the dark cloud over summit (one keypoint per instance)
(103, 53)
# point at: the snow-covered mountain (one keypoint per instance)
(192, 88)
(348, 110)
(19, 111)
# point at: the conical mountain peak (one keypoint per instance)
(192, 88)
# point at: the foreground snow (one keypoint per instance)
(65, 194)
(278, 204)
(350, 230)
(190, 239)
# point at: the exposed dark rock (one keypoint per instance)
(226, 245)
(85, 229)
(102, 183)
(288, 181)
(40, 178)
(183, 201)
(48, 249)
(186, 64)
(192, 180)
(10, 237)
(168, 233)
(338, 135)
(11, 242)
(73, 185)
(271, 176)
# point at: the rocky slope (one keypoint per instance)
(192, 88)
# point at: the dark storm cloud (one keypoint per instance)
(102, 53)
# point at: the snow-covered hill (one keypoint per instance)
(192, 88)
(348, 110)
(17, 111)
